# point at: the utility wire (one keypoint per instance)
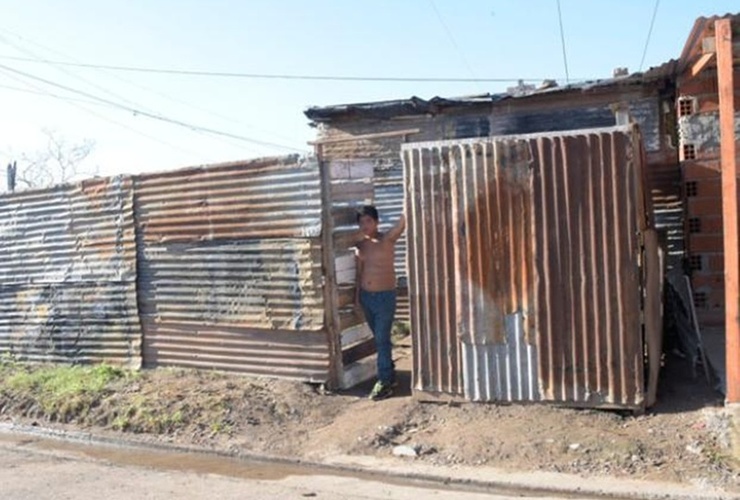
(134, 84)
(452, 39)
(562, 42)
(270, 76)
(105, 91)
(33, 89)
(33, 55)
(650, 32)
(46, 94)
(139, 112)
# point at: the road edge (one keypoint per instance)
(461, 477)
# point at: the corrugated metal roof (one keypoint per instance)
(436, 105)
(525, 276)
(68, 274)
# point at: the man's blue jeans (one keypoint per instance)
(380, 309)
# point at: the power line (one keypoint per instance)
(46, 94)
(100, 88)
(650, 32)
(33, 89)
(163, 95)
(452, 38)
(139, 112)
(271, 76)
(33, 55)
(562, 42)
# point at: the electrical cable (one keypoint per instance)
(562, 41)
(154, 116)
(273, 76)
(650, 32)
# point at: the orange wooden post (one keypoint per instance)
(723, 36)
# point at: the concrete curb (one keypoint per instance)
(481, 479)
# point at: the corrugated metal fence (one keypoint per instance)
(524, 276)
(227, 259)
(68, 274)
(230, 268)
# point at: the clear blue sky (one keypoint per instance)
(391, 38)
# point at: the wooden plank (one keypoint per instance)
(331, 314)
(346, 269)
(709, 46)
(339, 169)
(345, 240)
(361, 192)
(359, 351)
(361, 170)
(653, 312)
(697, 331)
(349, 318)
(356, 334)
(344, 216)
(702, 63)
(345, 296)
(352, 169)
(723, 31)
(358, 372)
(365, 137)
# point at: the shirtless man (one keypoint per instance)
(376, 291)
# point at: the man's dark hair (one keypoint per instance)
(367, 210)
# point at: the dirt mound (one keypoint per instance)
(685, 438)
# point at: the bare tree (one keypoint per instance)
(59, 162)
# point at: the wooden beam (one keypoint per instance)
(709, 46)
(723, 31)
(359, 351)
(367, 137)
(331, 311)
(702, 63)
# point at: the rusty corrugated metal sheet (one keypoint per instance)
(68, 274)
(431, 273)
(541, 236)
(231, 268)
(267, 198)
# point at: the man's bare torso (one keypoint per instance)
(376, 257)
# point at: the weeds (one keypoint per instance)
(62, 393)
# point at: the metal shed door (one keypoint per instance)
(546, 301)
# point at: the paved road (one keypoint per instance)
(36, 469)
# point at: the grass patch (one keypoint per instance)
(58, 392)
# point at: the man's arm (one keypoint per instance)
(358, 277)
(397, 230)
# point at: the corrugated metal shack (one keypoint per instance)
(372, 135)
(220, 266)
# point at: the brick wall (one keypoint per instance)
(699, 141)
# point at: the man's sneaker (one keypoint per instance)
(381, 391)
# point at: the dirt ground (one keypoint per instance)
(685, 438)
